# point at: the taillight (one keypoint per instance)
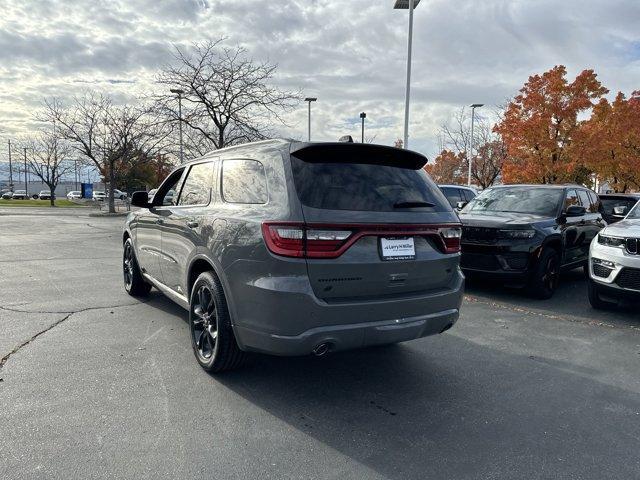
(292, 239)
(451, 237)
(297, 240)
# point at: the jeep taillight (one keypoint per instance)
(451, 237)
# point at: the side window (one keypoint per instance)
(468, 194)
(585, 200)
(571, 199)
(166, 194)
(197, 186)
(244, 181)
(453, 195)
(595, 202)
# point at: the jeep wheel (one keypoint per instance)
(546, 275)
(212, 338)
(594, 297)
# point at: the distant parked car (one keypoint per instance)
(99, 195)
(525, 235)
(20, 195)
(614, 262)
(458, 195)
(74, 195)
(119, 194)
(615, 206)
(7, 195)
(151, 193)
(45, 195)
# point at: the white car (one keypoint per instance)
(614, 262)
(74, 195)
(119, 194)
(98, 195)
(20, 195)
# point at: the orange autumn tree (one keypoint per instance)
(539, 124)
(448, 168)
(609, 141)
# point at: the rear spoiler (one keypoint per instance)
(335, 152)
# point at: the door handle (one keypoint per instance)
(159, 221)
(193, 224)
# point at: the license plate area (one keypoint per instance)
(397, 248)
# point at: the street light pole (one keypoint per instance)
(179, 92)
(26, 180)
(10, 169)
(471, 142)
(411, 5)
(363, 116)
(309, 100)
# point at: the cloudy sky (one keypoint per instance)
(351, 54)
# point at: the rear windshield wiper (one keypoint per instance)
(413, 204)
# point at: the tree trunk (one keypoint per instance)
(112, 181)
(52, 190)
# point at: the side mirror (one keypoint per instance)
(575, 211)
(140, 199)
(619, 211)
(461, 205)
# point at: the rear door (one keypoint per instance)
(592, 221)
(183, 223)
(573, 230)
(386, 215)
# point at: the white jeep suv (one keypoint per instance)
(614, 262)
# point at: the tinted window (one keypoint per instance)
(453, 195)
(362, 186)
(196, 189)
(584, 199)
(468, 194)
(165, 194)
(244, 181)
(571, 199)
(537, 201)
(608, 204)
(595, 202)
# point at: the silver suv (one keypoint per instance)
(614, 262)
(292, 248)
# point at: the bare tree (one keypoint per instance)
(106, 135)
(228, 98)
(47, 159)
(489, 151)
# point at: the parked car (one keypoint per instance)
(45, 195)
(295, 248)
(615, 206)
(74, 195)
(614, 262)
(20, 195)
(151, 193)
(118, 194)
(7, 195)
(99, 195)
(525, 235)
(458, 195)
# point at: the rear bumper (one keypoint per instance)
(350, 336)
(294, 322)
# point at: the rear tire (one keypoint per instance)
(134, 282)
(212, 338)
(546, 275)
(594, 297)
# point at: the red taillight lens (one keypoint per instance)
(297, 240)
(451, 237)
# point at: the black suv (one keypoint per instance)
(526, 234)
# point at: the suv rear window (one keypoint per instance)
(375, 185)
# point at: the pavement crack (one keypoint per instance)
(5, 358)
(16, 310)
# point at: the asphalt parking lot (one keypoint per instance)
(96, 384)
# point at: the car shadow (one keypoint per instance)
(571, 299)
(444, 407)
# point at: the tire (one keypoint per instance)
(594, 297)
(134, 282)
(212, 338)
(546, 275)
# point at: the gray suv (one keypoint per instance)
(293, 248)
